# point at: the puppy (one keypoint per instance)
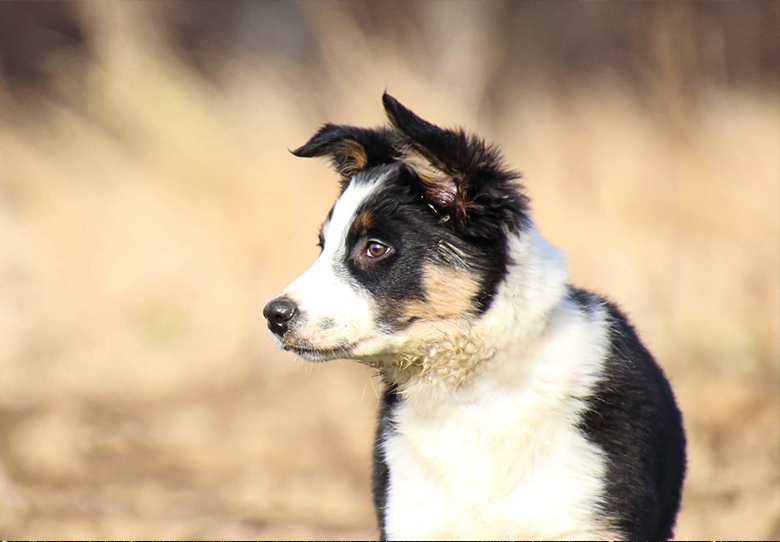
(514, 405)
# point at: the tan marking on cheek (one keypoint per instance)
(446, 344)
(449, 293)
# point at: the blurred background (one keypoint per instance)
(149, 209)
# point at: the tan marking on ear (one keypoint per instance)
(440, 187)
(355, 155)
(449, 293)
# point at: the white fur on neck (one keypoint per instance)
(499, 456)
(535, 283)
(451, 352)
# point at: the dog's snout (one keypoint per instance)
(279, 313)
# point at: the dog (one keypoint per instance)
(514, 405)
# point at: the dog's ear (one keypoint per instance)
(459, 174)
(350, 149)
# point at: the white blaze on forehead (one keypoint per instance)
(344, 211)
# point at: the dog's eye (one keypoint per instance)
(376, 250)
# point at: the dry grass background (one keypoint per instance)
(147, 213)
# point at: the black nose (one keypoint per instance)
(279, 312)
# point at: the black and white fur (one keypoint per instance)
(514, 405)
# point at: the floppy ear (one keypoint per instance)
(350, 149)
(460, 174)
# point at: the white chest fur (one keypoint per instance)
(504, 459)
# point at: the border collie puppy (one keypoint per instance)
(514, 405)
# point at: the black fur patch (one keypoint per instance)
(486, 190)
(584, 299)
(380, 479)
(633, 417)
(396, 216)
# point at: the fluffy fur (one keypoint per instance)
(515, 406)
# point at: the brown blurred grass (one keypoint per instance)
(146, 215)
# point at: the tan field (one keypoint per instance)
(148, 212)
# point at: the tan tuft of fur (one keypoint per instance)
(449, 293)
(356, 157)
(446, 353)
(363, 222)
(452, 255)
(440, 187)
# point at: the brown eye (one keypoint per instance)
(376, 250)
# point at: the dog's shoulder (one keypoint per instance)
(632, 415)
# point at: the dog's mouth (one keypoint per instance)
(311, 353)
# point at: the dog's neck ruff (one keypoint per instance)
(447, 354)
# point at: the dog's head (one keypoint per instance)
(416, 242)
